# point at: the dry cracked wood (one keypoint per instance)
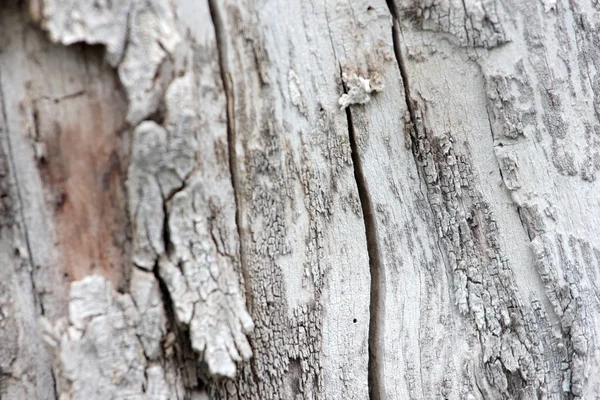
(311, 200)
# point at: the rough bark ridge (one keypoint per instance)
(297, 197)
(537, 327)
(308, 200)
(181, 207)
(180, 196)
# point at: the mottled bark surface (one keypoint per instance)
(299, 200)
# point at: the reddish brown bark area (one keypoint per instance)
(82, 145)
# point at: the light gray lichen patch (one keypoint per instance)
(98, 351)
(183, 217)
(200, 276)
(359, 89)
(511, 104)
(146, 67)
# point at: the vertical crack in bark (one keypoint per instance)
(222, 50)
(411, 109)
(509, 379)
(413, 120)
(182, 349)
(11, 160)
(183, 352)
(231, 139)
(36, 296)
(402, 67)
(54, 384)
(376, 379)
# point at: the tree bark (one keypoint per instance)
(299, 200)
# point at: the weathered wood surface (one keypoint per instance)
(270, 199)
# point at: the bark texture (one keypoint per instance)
(329, 199)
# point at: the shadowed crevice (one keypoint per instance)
(415, 121)
(402, 68)
(231, 139)
(36, 295)
(222, 49)
(377, 291)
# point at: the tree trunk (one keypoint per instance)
(272, 199)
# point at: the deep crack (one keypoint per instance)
(231, 140)
(222, 50)
(376, 379)
(11, 159)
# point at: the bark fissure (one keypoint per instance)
(414, 120)
(402, 68)
(183, 350)
(36, 296)
(413, 132)
(376, 378)
(222, 51)
(231, 139)
(54, 384)
(412, 112)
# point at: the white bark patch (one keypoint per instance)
(359, 89)
(199, 268)
(99, 22)
(152, 42)
(295, 93)
(151, 324)
(139, 38)
(99, 352)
